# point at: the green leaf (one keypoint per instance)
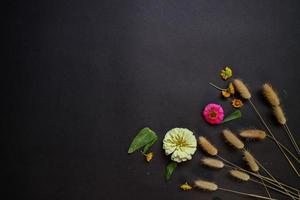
(235, 115)
(169, 170)
(147, 146)
(145, 136)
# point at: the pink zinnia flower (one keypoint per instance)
(213, 113)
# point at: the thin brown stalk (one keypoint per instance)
(271, 176)
(266, 179)
(251, 161)
(246, 194)
(234, 166)
(292, 139)
(261, 166)
(272, 135)
(265, 186)
(286, 149)
(218, 88)
(273, 188)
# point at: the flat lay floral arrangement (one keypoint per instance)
(180, 144)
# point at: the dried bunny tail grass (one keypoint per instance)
(253, 134)
(207, 146)
(239, 175)
(270, 94)
(242, 88)
(250, 161)
(205, 185)
(233, 139)
(214, 163)
(211, 187)
(279, 114)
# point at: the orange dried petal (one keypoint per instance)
(225, 94)
(231, 89)
(149, 156)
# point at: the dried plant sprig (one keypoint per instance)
(244, 92)
(270, 94)
(242, 176)
(279, 114)
(273, 99)
(259, 176)
(271, 176)
(205, 185)
(239, 175)
(291, 194)
(210, 186)
(238, 144)
(207, 146)
(233, 139)
(242, 88)
(275, 183)
(274, 138)
(253, 134)
(253, 166)
(213, 163)
(250, 161)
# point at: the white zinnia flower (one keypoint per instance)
(181, 143)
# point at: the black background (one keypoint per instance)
(85, 76)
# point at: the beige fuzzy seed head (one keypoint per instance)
(207, 146)
(270, 94)
(213, 163)
(233, 139)
(279, 114)
(253, 134)
(206, 185)
(251, 161)
(242, 88)
(239, 175)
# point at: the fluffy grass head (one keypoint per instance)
(233, 139)
(250, 161)
(213, 163)
(253, 134)
(242, 88)
(207, 146)
(279, 114)
(239, 175)
(270, 94)
(205, 185)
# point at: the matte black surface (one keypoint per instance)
(85, 76)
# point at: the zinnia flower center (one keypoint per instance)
(212, 114)
(180, 142)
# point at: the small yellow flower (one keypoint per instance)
(149, 156)
(185, 186)
(229, 91)
(230, 88)
(225, 94)
(226, 73)
(237, 103)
